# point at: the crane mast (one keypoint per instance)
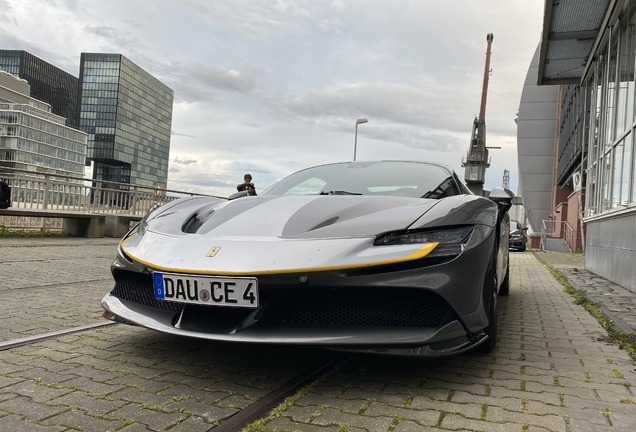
(476, 161)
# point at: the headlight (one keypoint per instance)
(143, 224)
(141, 228)
(451, 241)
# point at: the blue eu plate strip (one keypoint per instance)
(157, 279)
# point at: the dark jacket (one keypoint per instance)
(246, 186)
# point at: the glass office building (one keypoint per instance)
(127, 114)
(589, 49)
(48, 83)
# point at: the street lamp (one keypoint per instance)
(355, 143)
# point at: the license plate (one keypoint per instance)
(206, 290)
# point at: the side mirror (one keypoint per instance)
(502, 197)
(238, 195)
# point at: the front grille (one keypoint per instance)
(386, 307)
(138, 288)
(363, 307)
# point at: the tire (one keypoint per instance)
(490, 286)
(523, 248)
(504, 289)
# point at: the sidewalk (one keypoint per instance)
(617, 303)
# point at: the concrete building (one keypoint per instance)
(32, 138)
(536, 134)
(127, 114)
(587, 52)
(48, 83)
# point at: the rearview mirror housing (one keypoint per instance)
(502, 197)
(240, 194)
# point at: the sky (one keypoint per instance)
(269, 87)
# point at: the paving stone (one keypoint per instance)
(347, 405)
(80, 420)
(411, 426)
(135, 427)
(202, 395)
(418, 414)
(456, 422)
(132, 394)
(332, 416)
(15, 422)
(154, 419)
(301, 414)
(92, 405)
(284, 424)
(510, 404)
(210, 413)
(363, 395)
(131, 380)
(46, 376)
(36, 392)
(9, 381)
(550, 422)
(31, 411)
(233, 401)
(90, 386)
(191, 424)
(465, 409)
(232, 387)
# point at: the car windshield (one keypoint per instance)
(410, 179)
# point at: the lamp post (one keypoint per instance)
(355, 143)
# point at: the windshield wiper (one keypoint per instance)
(338, 192)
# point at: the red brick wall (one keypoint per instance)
(573, 220)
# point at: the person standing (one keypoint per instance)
(247, 185)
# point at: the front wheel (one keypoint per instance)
(490, 286)
(504, 289)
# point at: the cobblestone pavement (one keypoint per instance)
(549, 372)
(618, 303)
(552, 369)
(52, 283)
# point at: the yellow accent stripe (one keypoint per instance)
(421, 253)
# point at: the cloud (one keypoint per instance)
(116, 38)
(388, 101)
(194, 82)
(338, 5)
(184, 161)
(276, 85)
(5, 12)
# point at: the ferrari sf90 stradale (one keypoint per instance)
(386, 257)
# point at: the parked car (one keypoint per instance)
(382, 257)
(518, 236)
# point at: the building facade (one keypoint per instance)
(127, 114)
(48, 83)
(32, 138)
(588, 52)
(536, 134)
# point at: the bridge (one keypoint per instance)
(78, 206)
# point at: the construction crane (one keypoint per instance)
(506, 180)
(476, 161)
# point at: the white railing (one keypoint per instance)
(31, 190)
(557, 229)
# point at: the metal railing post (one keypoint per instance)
(133, 208)
(45, 198)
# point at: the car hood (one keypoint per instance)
(292, 216)
(278, 233)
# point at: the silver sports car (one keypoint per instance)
(385, 257)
